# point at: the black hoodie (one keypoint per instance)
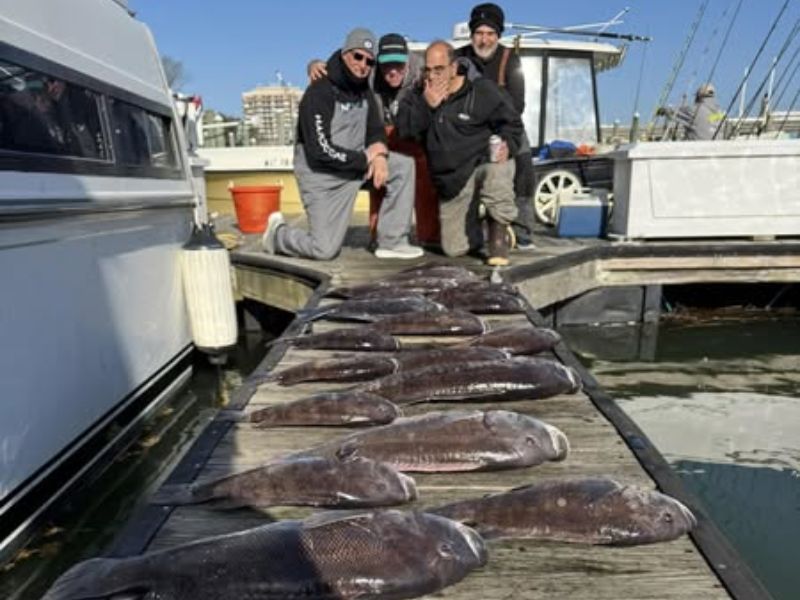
(317, 109)
(456, 133)
(514, 77)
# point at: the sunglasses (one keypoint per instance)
(359, 57)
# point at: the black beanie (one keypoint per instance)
(487, 14)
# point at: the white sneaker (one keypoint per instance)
(274, 222)
(526, 246)
(403, 251)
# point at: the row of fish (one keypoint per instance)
(390, 553)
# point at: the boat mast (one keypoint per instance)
(667, 90)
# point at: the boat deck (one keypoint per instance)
(603, 442)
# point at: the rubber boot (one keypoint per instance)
(498, 244)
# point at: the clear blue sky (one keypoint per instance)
(229, 47)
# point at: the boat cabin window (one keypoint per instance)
(141, 138)
(570, 110)
(532, 68)
(41, 114)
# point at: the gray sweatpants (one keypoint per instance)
(492, 184)
(328, 201)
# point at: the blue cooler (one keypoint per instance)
(583, 214)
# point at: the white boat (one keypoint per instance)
(96, 200)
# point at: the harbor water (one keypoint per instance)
(718, 396)
(86, 523)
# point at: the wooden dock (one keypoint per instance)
(603, 442)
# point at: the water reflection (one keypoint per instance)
(719, 398)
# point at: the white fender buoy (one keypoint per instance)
(206, 270)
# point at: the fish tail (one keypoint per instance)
(98, 578)
(176, 494)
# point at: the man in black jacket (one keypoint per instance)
(502, 65)
(455, 118)
(341, 144)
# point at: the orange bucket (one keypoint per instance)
(254, 204)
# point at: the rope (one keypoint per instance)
(665, 93)
(724, 118)
(757, 94)
(724, 42)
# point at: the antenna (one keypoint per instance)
(585, 29)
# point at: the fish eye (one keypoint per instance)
(531, 441)
(445, 550)
(668, 517)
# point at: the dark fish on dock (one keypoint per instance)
(440, 270)
(343, 369)
(364, 368)
(328, 409)
(482, 301)
(446, 322)
(372, 308)
(519, 378)
(451, 441)
(364, 338)
(517, 340)
(367, 556)
(416, 285)
(585, 511)
(352, 482)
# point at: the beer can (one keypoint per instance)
(495, 141)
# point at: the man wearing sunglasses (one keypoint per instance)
(455, 118)
(341, 144)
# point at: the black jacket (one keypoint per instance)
(316, 112)
(456, 133)
(515, 78)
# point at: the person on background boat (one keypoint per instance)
(456, 117)
(341, 144)
(700, 120)
(502, 65)
(398, 72)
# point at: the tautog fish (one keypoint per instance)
(587, 511)
(454, 440)
(353, 482)
(387, 554)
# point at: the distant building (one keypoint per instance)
(271, 114)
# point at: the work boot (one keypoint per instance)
(498, 244)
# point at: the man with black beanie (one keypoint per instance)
(502, 65)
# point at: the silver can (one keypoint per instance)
(495, 142)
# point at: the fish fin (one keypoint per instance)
(330, 516)
(98, 578)
(346, 451)
(518, 488)
(175, 494)
(312, 314)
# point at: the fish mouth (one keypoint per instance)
(559, 442)
(691, 520)
(574, 379)
(474, 541)
(409, 487)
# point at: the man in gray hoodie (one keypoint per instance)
(341, 144)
